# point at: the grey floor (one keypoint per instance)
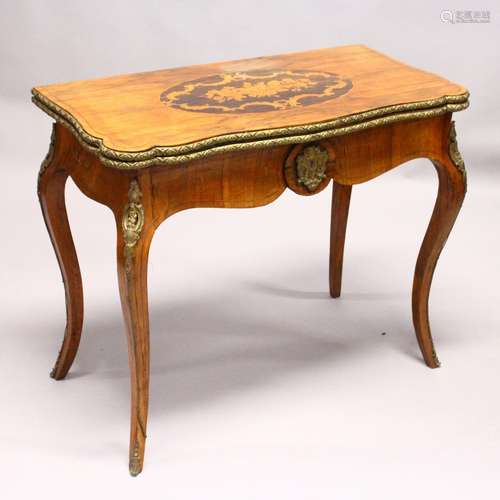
(262, 386)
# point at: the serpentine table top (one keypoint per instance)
(175, 115)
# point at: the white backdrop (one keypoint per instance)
(262, 386)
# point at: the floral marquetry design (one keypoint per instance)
(256, 91)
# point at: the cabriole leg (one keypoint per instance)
(134, 238)
(51, 183)
(452, 188)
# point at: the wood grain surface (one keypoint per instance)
(128, 114)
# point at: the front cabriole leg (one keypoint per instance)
(135, 232)
(51, 183)
(452, 188)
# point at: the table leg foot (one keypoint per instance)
(51, 183)
(134, 238)
(452, 188)
(341, 196)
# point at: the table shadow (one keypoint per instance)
(217, 345)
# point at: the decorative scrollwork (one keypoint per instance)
(132, 224)
(311, 166)
(50, 154)
(453, 151)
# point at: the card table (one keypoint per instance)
(237, 134)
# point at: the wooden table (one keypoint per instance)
(237, 134)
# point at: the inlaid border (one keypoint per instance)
(168, 155)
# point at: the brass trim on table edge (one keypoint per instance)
(168, 155)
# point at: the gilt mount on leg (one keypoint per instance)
(454, 152)
(132, 224)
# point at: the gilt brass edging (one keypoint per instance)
(168, 160)
(167, 155)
